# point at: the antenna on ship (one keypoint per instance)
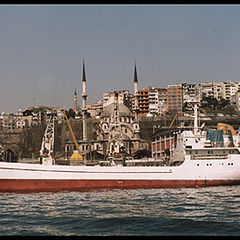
(195, 119)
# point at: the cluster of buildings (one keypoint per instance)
(152, 102)
(118, 114)
(117, 131)
(30, 117)
(170, 100)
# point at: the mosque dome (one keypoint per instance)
(124, 111)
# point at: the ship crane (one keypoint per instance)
(48, 142)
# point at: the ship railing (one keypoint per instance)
(206, 157)
(145, 162)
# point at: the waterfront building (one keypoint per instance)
(163, 143)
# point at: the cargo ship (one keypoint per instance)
(201, 158)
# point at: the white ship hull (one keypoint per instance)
(191, 173)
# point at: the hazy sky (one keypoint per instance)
(42, 48)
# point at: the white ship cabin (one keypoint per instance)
(173, 145)
(209, 144)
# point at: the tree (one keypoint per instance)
(222, 103)
(209, 102)
(70, 113)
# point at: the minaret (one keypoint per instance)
(84, 101)
(136, 107)
(135, 80)
(75, 101)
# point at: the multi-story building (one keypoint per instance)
(29, 117)
(143, 101)
(153, 101)
(190, 92)
(229, 89)
(206, 89)
(163, 144)
(95, 109)
(122, 97)
(220, 90)
(9, 121)
(217, 91)
(157, 101)
(175, 99)
(235, 99)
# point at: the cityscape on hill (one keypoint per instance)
(139, 115)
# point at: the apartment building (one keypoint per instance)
(229, 89)
(9, 120)
(206, 89)
(190, 92)
(95, 109)
(143, 101)
(175, 99)
(157, 101)
(217, 91)
(29, 117)
(122, 97)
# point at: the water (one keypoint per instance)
(187, 211)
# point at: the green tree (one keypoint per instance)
(70, 113)
(222, 103)
(209, 102)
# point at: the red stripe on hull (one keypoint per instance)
(27, 185)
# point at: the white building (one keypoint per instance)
(217, 90)
(122, 97)
(157, 101)
(229, 89)
(206, 89)
(190, 93)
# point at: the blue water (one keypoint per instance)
(191, 211)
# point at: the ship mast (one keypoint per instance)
(48, 141)
(195, 119)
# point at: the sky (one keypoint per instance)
(42, 48)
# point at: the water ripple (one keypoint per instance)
(201, 211)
